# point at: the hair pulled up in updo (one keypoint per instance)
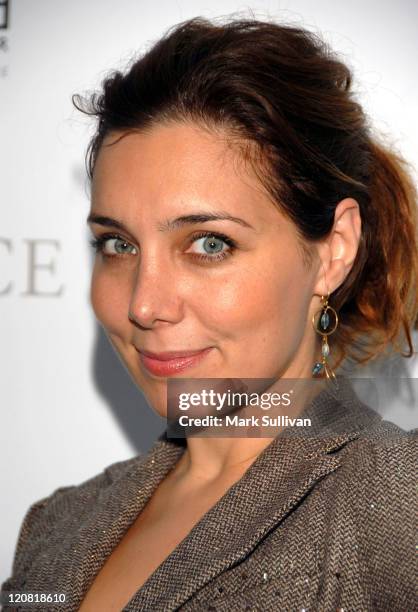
(285, 100)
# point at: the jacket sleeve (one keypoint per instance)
(32, 524)
(31, 531)
(372, 527)
(389, 509)
(43, 516)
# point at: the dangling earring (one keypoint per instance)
(325, 325)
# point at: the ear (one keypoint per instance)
(338, 251)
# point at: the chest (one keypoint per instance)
(156, 532)
(138, 554)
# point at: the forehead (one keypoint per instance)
(171, 168)
(182, 152)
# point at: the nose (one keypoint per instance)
(155, 297)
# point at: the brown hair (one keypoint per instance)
(285, 98)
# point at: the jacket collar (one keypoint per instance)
(281, 475)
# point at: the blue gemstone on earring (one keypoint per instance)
(325, 321)
(317, 368)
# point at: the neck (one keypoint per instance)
(209, 459)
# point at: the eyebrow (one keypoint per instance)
(171, 224)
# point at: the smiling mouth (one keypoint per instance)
(171, 362)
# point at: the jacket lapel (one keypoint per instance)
(95, 525)
(268, 491)
(280, 477)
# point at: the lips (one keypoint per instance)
(169, 363)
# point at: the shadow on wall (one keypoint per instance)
(385, 385)
(388, 384)
(140, 424)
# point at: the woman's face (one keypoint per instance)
(176, 279)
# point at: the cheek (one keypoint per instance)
(265, 301)
(260, 293)
(109, 297)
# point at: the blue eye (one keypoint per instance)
(118, 245)
(213, 244)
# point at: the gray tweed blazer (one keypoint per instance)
(319, 522)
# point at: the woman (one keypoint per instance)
(247, 225)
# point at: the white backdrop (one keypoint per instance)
(59, 376)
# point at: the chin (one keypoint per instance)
(156, 397)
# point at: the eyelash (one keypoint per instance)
(98, 245)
